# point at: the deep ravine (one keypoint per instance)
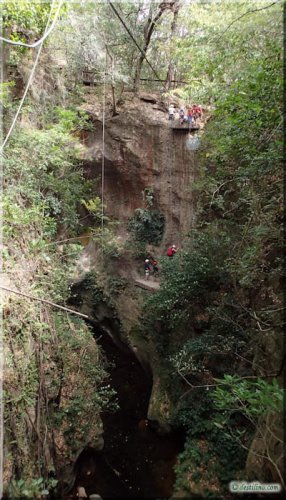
(136, 461)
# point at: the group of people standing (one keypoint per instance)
(189, 115)
(151, 265)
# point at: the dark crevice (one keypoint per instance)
(136, 462)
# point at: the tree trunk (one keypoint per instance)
(148, 31)
(171, 69)
(5, 53)
(110, 55)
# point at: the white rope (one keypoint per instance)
(41, 40)
(31, 75)
(103, 150)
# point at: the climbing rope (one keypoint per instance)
(40, 43)
(45, 35)
(103, 150)
(172, 156)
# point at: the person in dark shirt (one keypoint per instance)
(147, 268)
(155, 266)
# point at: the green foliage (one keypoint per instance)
(219, 295)
(209, 451)
(106, 240)
(90, 285)
(147, 226)
(35, 488)
(25, 14)
(71, 120)
(116, 285)
(25, 21)
(149, 196)
(5, 93)
(194, 412)
(188, 281)
(49, 186)
(252, 398)
(136, 248)
(230, 456)
(43, 186)
(214, 51)
(214, 460)
(102, 232)
(94, 207)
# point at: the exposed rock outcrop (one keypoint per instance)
(142, 150)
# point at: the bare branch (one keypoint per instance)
(245, 14)
(72, 311)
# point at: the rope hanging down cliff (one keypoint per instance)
(103, 148)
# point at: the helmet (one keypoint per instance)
(173, 246)
(147, 260)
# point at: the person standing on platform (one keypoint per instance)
(171, 112)
(147, 269)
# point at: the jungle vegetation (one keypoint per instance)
(217, 318)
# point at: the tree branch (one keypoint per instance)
(72, 311)
(240, 17)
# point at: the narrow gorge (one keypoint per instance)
(138, 441)
(142, 253)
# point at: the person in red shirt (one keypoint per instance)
(195, 116)
(172, 250)
(197, 112)
(190, 117)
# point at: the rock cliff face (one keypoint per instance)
(142, 150)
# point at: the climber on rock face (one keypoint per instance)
(172, 250)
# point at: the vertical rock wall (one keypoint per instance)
(142, 150)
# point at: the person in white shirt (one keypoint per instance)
(171, 112)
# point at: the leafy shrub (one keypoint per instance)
(52, 181)
(194, 412)
(189, 284)
(253, 398)
(34, 488)
(116, 285)
(147, 226)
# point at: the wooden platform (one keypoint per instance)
(176, 125)
(149, 285)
